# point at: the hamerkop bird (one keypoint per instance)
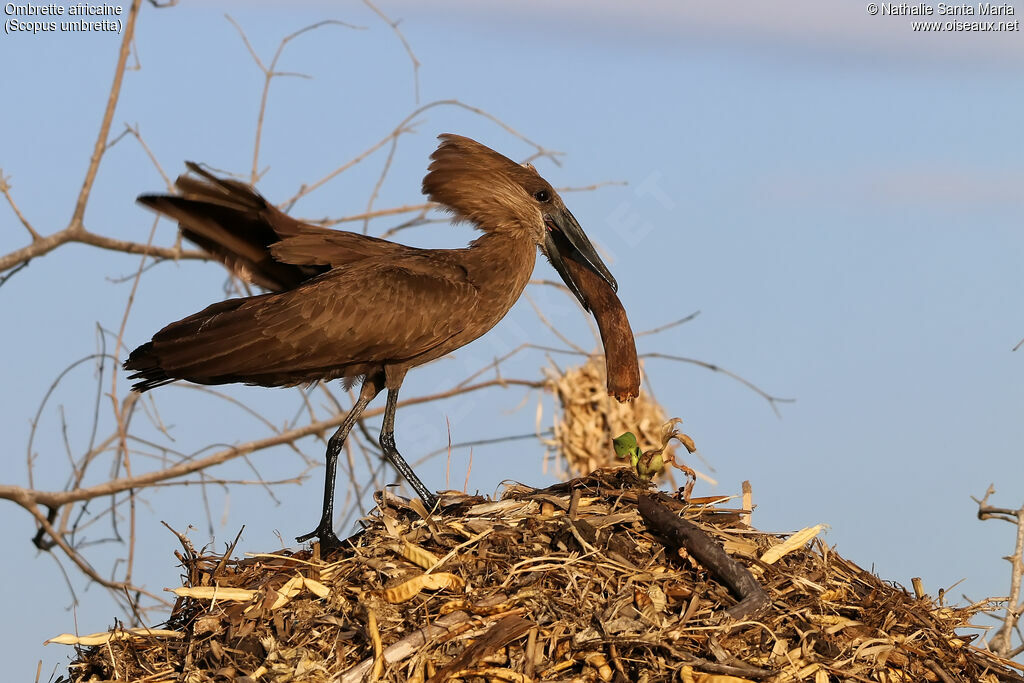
(348, 306)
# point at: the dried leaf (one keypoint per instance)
(493, 674)
(418, 556)
(286, 592)
(214, 593)
(600, 662)
(687, 442)
(411, 588)
(316, 588)
(691, 676)
(794, 542)
(107, 636)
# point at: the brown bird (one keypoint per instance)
(348, 306)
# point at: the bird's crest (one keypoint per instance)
(480, 185)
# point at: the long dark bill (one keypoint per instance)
(565, 239)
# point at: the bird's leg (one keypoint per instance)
(387, 442)
(325, 529)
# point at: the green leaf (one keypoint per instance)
(626, 445)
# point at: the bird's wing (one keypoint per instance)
(235, 224)
(315, 246)
(329, 327)
(254, 239)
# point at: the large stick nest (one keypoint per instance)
(568, 583)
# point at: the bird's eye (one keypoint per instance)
(542, 196)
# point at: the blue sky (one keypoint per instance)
(837, 195)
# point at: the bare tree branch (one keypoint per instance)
(1002, 643)
(108, 116)
(19, 495)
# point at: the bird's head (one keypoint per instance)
(495, 194)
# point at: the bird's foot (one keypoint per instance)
(430, 501)
(325, 535)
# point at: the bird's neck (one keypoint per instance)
(501, 263)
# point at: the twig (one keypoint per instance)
(772, 400)
(685, 534)
(12, 272)
(5, 188)
(379, 213)
(405, 126)
(380, 179)
(137, 134)
(482, 442)
(108, 116)
(78, 560)
(405, 44)
(408, 645)
(271, 72)
(565, 340)
(591, 187)
(306, 189)
(668, 326)
(32, 497)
